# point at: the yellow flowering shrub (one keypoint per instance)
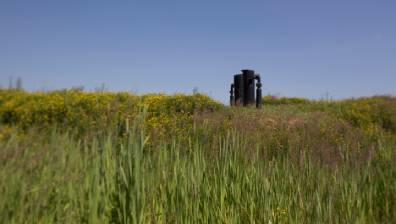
(369, 113)
(166, 114)
(173, 115)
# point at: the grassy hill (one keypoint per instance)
(78, 157)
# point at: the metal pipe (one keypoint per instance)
(259, 99)
(232, 98)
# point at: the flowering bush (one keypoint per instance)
(97, 111)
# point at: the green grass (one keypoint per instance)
(316, 162)
(58, 178)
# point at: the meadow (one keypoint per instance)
(99, 157)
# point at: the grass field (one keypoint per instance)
(75, 157)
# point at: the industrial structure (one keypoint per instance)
(242, 90)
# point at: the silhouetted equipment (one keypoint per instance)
(242, 90)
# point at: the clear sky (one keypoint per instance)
(339, 48)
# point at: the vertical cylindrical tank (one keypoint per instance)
(238, 90)
(249, 88)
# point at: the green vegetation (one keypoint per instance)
(74, 157)
(273, 100)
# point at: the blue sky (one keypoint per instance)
(339, 48)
